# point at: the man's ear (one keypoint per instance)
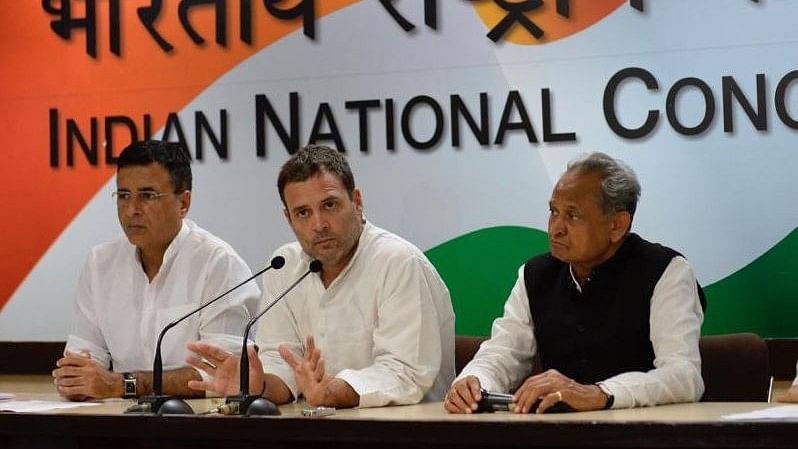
(357, 198)
(287, 215)
(621, 224)
(184, 203)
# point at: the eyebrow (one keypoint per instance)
(143, 189)
(323, 200)
(298, 208)
(566, 207)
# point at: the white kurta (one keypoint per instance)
(385, 325)
(119, 313)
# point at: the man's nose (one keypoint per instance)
(131, 207)
(556, 226)
(320, 223)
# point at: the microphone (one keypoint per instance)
(245, 403)
(160, 403)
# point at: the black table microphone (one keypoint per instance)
(245, 403)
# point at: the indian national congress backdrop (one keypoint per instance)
(457, 117)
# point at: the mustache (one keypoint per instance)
(322, 237)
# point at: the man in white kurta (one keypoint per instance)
(129, 289)
(374, 327)
(384, 325)
(118, 313)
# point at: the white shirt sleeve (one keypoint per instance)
(86, 334)
(221, 323)
(407, 339)
(675, 323)
(278, 327)
(504, 360)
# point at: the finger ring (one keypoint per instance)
(559, 395)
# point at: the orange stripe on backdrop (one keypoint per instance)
(583, 14)
(42, 71)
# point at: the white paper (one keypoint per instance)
(40, 406)
(780, 412)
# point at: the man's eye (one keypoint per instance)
(301, 214)
(148, 196)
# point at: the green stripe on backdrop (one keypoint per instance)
(762, 297)
(481, 267)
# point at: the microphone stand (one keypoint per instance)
(162, 404)
(256, 405)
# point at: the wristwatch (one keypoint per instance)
(129, 380)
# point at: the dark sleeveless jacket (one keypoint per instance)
(604, 330)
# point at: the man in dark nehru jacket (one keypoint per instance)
(612, 319)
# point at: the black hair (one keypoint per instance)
(170, 155)
(310, 161)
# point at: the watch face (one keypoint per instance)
(130, 385)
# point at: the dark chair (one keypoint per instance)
(464, 349)
(783, 353)
(735, 368)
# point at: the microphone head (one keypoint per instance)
(278, 262)
(315, 266)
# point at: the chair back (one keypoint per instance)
(735, 368)
(465, 347)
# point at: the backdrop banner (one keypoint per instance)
(457, 117)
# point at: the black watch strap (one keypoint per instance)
(610, 401)
(610, 397)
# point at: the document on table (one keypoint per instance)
(779, 412)
(40, 406)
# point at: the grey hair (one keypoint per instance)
(620, 189)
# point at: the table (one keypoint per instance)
(417, 426)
